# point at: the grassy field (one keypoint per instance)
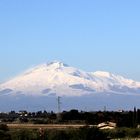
(44, 126)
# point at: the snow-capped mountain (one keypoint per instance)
(59, 79)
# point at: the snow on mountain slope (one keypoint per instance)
(58, 79)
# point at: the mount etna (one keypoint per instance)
(39, 87)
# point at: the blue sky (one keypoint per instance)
(87, 34)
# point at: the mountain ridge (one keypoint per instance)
(59, 79)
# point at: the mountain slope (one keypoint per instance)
(58, 79)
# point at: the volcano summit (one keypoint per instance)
(58, 79)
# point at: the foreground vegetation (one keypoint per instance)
(85, 133)
(121, 118)
(127, 123)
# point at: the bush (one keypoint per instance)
(4, 127)
(25, 134)
(93, 133)
(123, 133)
(58, 135)
(84, 133)
(4, 135)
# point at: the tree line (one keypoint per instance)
(121, 118)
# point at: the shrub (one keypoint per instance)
(4, 127)
(4, 135)
(25, 134)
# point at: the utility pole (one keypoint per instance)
(59, 108)
(59, 104)
(104, 108)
